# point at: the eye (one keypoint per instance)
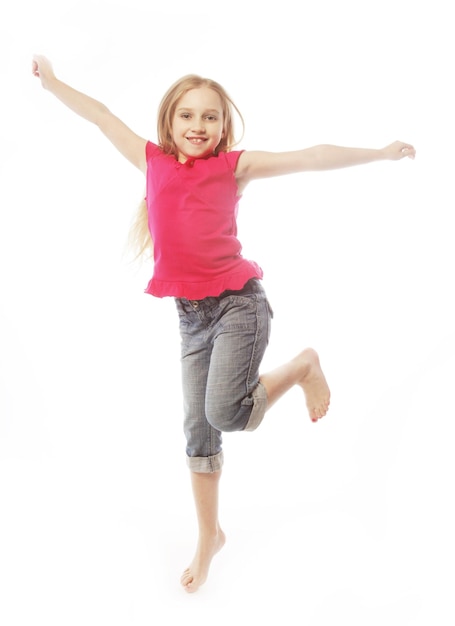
(185, 116)
(211, 118)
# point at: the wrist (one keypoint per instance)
(49, 82)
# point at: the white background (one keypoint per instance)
(347, 521)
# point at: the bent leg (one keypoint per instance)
(238, 348)
(232, 381)
(304, 370)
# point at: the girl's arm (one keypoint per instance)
(124, 139)
(252, 165)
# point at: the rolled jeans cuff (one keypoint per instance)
(205, 464)
(259, 407)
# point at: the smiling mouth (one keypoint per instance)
(196, 141)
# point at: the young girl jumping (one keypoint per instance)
(194, 180)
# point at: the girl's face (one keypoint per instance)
(197, 125)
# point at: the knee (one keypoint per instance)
(222, 423)
(228, 417)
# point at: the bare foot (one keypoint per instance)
(314, 385)
(196, 574)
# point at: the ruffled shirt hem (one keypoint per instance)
(199, 291)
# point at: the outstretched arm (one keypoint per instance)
(252, 165)
(123, 138)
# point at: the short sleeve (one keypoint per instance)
(151, 151)
(232, 158)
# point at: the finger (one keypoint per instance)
(408, 151)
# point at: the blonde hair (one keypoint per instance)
(139, 238)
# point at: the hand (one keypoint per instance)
(398, 150)
(42, 68)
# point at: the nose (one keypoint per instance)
(198, 126)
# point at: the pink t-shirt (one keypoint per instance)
(192, 211)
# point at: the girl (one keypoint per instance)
(193, 183)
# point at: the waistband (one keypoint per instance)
(253, 285)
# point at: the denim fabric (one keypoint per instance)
(223, 341)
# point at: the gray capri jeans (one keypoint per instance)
(223, 340)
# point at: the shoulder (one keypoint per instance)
(230, 159)
(157, 161)
(261, 164)
(252, 159)
(152, 150)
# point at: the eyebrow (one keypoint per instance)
(205, 110)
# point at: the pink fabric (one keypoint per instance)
(192, 211)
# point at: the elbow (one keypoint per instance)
(102, 116)
(324, 157)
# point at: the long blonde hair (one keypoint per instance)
(139, 238)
